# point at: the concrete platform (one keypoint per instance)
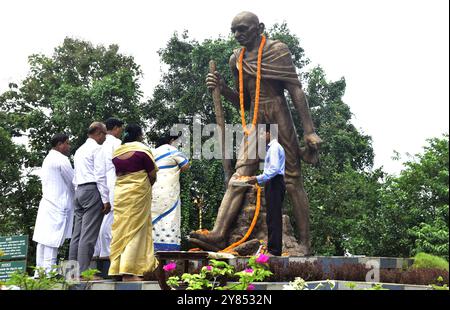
(325, 261)
(261, 286)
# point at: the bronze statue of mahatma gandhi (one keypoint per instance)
(277, 73)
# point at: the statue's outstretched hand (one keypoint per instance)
(214, 80)
(310, 153)
(313, 141)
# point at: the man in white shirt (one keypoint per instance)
(91, 196)
(54, 219)
(114, 129)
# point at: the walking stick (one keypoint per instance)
(220, 120)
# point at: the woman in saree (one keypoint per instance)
(132, 252)
(166, 204)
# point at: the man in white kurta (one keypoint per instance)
(114, 129)
(55, 214)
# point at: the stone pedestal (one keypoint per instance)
(244, 219)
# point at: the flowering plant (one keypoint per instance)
(170, 266)
(210, 276)
(258, 270)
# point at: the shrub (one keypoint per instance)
(424, 260)
(431, 238)
(42, 281)
(422, 276)
(348, 272)
(307, 271)
(214, 275)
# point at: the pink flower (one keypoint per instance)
(170, 266)
(250, 287)
(209, 268)
(249, 270)
(262, 259)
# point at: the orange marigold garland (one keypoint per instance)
(258, 85)
(230, 248)
(252, 225)
(247, 132)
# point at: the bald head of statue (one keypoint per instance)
(97, 131)
(247, 29)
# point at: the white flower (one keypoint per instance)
(10, 288)
(288, 287)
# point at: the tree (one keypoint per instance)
(415, 204)
(343, 188)
(20, 190)
(77, 85)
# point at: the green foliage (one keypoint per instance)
(431, 238)
(78, 84)
(424, 260)
(441, 287)
(281, 32)
(43, 281)
(182, 93)
(203, 180)
(343, 188)
(256, 272)
(375, 287)
(20, 190)
(210, 276)
(343, 210)
(351, 285)
(414, 215)
(89, 274)
(88, 277)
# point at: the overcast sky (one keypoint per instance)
(394, 54)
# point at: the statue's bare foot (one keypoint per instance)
(203, 245)
(211, 238)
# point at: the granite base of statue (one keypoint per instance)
(258, 237)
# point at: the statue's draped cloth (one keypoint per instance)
(132, 245)
(276, 63)
(276, 67)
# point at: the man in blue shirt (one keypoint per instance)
(274, 189)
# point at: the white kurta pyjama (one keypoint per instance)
(45, 258)
(102, 247)
(166, 204)
(54, 219)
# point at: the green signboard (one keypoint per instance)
(13, 248)
(7, 268)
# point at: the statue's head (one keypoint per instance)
(246, 28)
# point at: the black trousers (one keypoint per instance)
(274, 191)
